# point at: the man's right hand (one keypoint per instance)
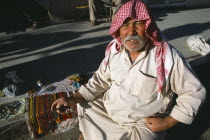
(62, 104)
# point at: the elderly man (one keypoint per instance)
(130, 95)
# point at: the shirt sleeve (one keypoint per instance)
(98, 84)
(191, 93)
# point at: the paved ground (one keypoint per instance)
(59, 50)
(53, 52)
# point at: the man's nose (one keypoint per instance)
(132, 30)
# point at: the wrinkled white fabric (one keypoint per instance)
(95, 124)
(130, 90)
(199, 44)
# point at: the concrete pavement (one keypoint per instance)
(57, 51)
(73, 47)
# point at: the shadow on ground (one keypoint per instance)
(57, 67)
(179, 31)
(161, 14)
(186, 30)
(24, 43)
(51, 68)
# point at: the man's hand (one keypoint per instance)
(158, 124)
(62, 104)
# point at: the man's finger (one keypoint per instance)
(58, 111)
(53, 105)
(61, 109)
(58, 106)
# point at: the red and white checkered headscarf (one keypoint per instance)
(138, 11)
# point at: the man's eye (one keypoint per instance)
(125, 24)
(140, 23)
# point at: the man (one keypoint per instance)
(130, 95)
(93, 8)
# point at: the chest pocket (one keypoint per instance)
(118, 75)
(119, 69)
(144, 85)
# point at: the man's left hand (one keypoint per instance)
(158, 124)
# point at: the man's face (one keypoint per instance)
(132, 34)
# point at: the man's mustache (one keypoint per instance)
(135, 37)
